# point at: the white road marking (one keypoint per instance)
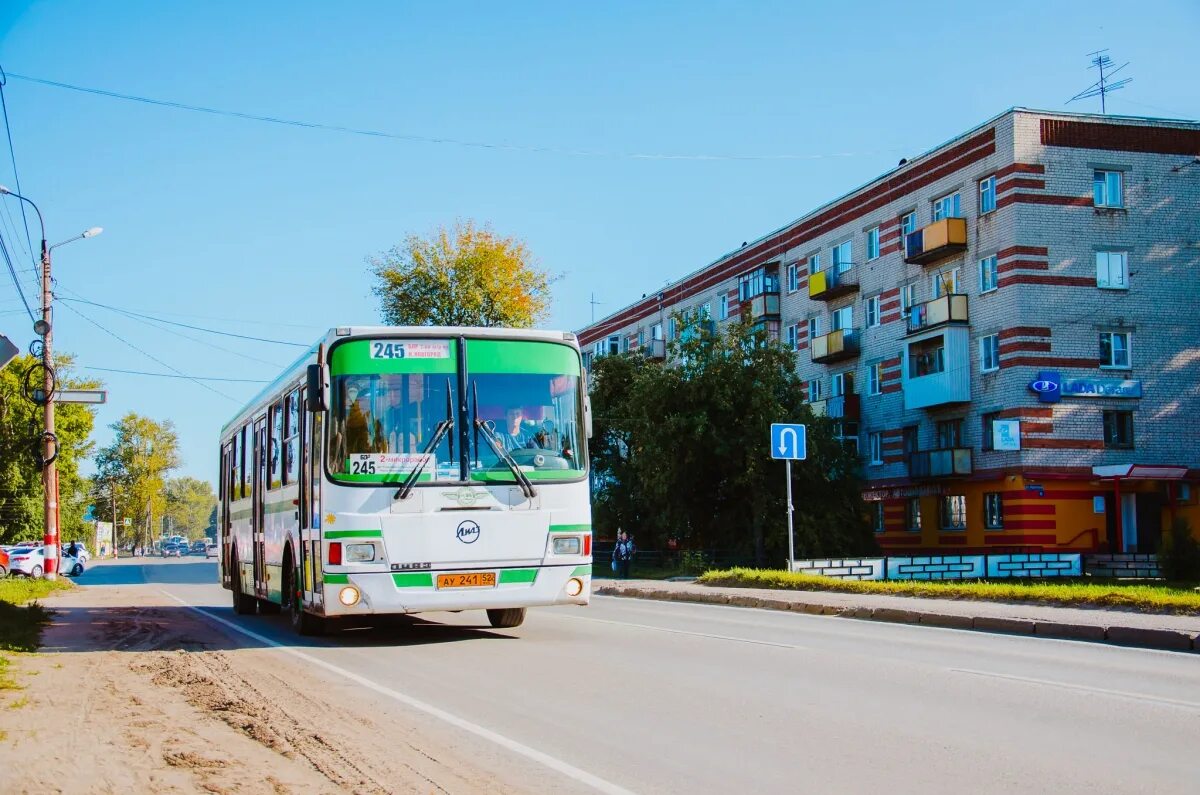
(565, 768)
(681, 631)
(1085, 688)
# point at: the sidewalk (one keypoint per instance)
(1124, 627)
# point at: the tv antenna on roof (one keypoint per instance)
(594, 304)
(1103, 86)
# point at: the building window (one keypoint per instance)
(927, 357)
(841, 257)
(989, 353)
(945, 282)
(723, 307)
(908, 223)
(1112, 270)
(641, 343)
(656, 331)
(908, 297)
(672, 329)
(705, 312)
(1183, 492)
(877, 516)
(993, 510)
(1114, 350)
(989, 274)
(947, 207)
(1107, 189)
(875, 379)
(873, 311)
(954, 512)
(913, 514)
(987, 420)
(814, 263)
(814, 390)
(842, 318)
(841, 384)
(847, 434)
(876, 447)
(987, 194)
(949, 434)
(792, 336)
(873, 243)
(793, 277)
(614, 345)
(814, 328)
(1118, 430)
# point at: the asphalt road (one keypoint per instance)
(629, 695)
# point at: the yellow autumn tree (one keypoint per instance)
(466, 275)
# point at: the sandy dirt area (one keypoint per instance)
(135, 694)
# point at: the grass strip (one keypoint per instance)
(1178, 599)
(22, 618)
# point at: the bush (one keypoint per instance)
(1179, 555)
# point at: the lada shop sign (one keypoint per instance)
(1051, 387)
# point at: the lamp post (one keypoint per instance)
(50, 443)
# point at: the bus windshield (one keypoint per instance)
(387, 399)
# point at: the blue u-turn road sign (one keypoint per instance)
(788, 441)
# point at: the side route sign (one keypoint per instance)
(8, 351)
(788, 441)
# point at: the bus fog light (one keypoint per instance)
(567, 546)
(574, 587)
(348, 596)
(360, 553)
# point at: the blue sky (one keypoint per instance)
(263, 230)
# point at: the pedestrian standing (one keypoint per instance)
(623, 554)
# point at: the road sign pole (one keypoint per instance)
(791, 547)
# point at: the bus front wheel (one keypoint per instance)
(506, 618)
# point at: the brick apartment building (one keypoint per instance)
(1008, 328)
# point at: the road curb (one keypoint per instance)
(1139, 637)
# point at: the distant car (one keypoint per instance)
(28, 561)
(80, 552)
(3, 563)
(71, 566)
(172, 550)
(199, 547)
(210, 550)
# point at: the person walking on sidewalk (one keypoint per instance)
(623, 554)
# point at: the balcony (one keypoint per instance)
(826, 285)
(835, 346)
(842, 407)
(761, 307)
(936, 367)
(655, 349)
(944, 463)
(937, 241)
(950, 308)
(696, 328)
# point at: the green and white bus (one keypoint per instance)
(402, 470)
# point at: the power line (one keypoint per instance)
(185, 325)
(150, 356)
(16, 281)
(172, 375)
(12, 154)
(429, 139)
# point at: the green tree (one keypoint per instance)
(190, 503)
(21, 506)
(462, 276)
(681, 449)
(143, 451)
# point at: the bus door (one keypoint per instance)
(258, 528)
(310, 522)
(223, 526)
(303, 512)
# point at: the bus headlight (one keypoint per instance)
(567, 546)
(360, 553)
(348, 596)
(574, 587)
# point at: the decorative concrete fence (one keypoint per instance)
(946, 567)
(842, 568)
(1140, 565)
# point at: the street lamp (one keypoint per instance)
(49, 452)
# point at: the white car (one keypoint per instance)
(31, 562)
(81, 552)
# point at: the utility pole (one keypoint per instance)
(112, 492)
(49, 440)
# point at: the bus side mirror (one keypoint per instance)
(587, 416)
(314, 394)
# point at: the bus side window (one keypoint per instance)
(241, 461)
(275, 430)
(292, 438)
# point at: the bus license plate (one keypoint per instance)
(471, 579)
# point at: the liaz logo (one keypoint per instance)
(1042, 387)
(468, 532)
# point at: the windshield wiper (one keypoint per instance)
(411, 480)
(498, 446)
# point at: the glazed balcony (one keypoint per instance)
(826, 285)
(842, 407)
(655, 349)
(835, 346)
(761, 307)
(944, 463)
(950, 308)
(937, 241)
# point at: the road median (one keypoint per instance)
(1108, 625)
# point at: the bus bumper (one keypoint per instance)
(390, 593)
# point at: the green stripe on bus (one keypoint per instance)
(397, 477)
(570, 528)
(332, 534)
(280, 507)
(582, 571)
(337, 579)
(520, 357)
(506, 476)
(413, 580)
(355, 358)
(517, 575)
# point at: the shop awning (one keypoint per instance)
(1141, 472)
